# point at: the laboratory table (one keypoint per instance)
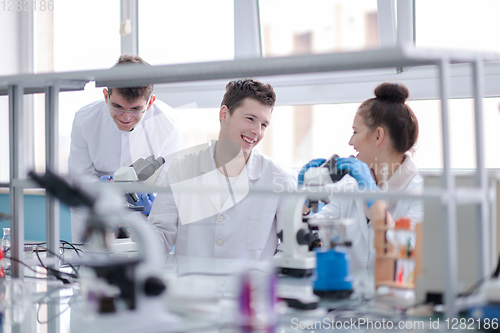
(204, 295)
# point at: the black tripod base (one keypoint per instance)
(333, 294)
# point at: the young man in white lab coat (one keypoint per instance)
(129, 123)
(230, 222)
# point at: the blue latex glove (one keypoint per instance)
(106, 178)
(146, 200)
(361, 172)
(311, 164)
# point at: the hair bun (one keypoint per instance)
(393, 92)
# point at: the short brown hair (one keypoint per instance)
(388, 110)
(133, 93)
(238, 90)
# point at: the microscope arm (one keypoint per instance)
(149, 247)
(293, 223)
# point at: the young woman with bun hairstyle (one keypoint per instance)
(385, 130)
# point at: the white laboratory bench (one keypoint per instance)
(202, 293)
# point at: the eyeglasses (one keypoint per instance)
(114, 108)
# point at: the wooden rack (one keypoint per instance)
(387, 257)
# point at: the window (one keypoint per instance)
(86, 35)
(291, 27)
(298, 134)
(295, 135)
(461, 24)
(173, 32)
(77, 37)
(462, 134)
(186, 31)
(198, 126)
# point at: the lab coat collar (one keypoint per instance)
(399, 180)
(207, 161)
(210, 179)
(403, 175)
(253, 166)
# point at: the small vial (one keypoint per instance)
(6, 239)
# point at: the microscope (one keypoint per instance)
(332, 278)
(120, 293)
(140, 170)
(304, 250)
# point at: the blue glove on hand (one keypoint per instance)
(146, 200)
(311, 164)
(106, 178)
(361, 172)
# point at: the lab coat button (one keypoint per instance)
(220, 242)
(221, 281)
(220, 218)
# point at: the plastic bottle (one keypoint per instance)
(6, 239)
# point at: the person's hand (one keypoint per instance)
(106, 178)
(146, 200)
(311, 164)
(361, 172)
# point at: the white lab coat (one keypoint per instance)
(360, 233)
(244, 228)
(99, 148)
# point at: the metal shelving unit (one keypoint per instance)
(16, 86)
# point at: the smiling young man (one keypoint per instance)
(129, 123)
(231, 222)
